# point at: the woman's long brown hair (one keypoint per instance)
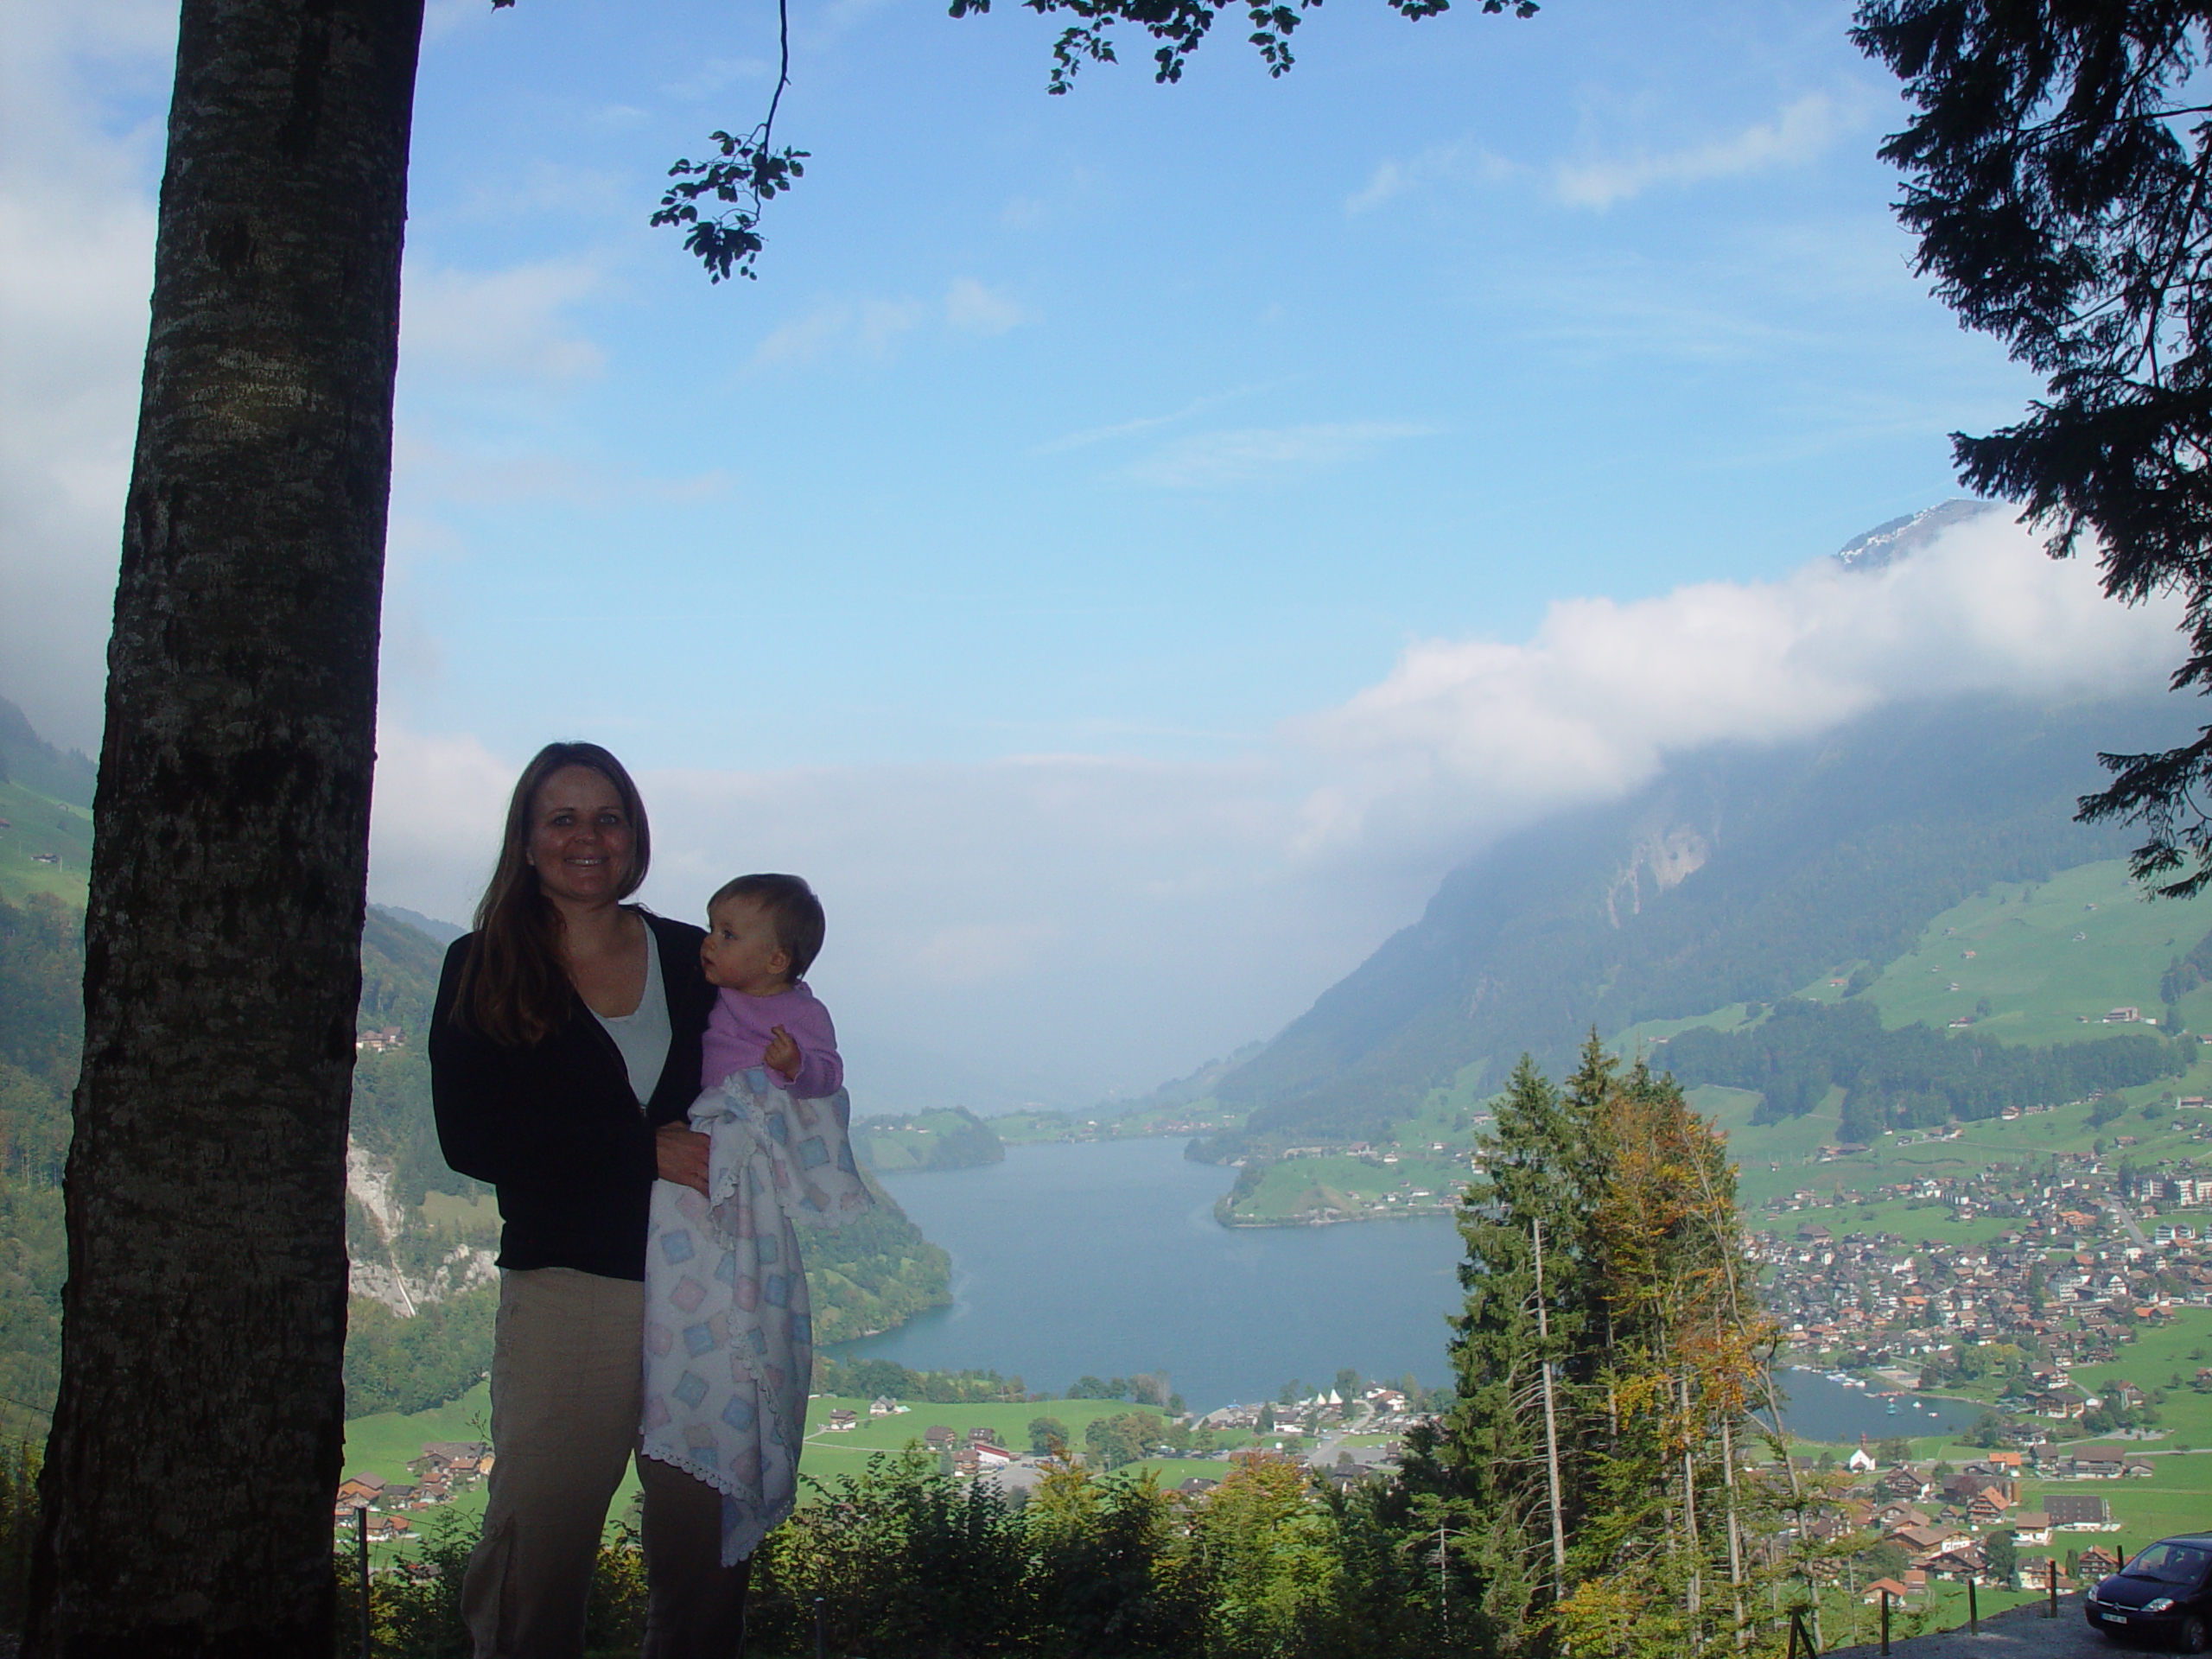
(514, 988)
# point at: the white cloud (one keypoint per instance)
(1802, 130)
(424, 470)
(1467, 733)
(1073, 923)
(972, 309)
(866, 329)
(1392, 178)
(508, 325)
(869, 329)
(1145, 422)
(1216, 460)
(76, 267)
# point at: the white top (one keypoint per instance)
(643, 1035)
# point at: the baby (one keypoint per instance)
(762, 933)
(729, 1322)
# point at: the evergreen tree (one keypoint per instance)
(1591, 1462)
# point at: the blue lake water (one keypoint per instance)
(1817, 1409)
(1106, 1260)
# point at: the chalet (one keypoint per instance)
(2098, 1562)
(1895, 1513)
(2059, 1404)
(2032, 1572)
(843, 1420)
(1197, 1486)
(442, 1457)
(2071, 1514)
(386, 1527)
(397, 1495)
(1968, 1561)
(1930, 1540)
(2031, 1527)
(1902, 1482)
(1965, 1487)
(989, 1456)
(938, 1437)
(884, 1406)
(367, 1488)
(981, 1437)
(965, 1462)
(1986, 1509)
(1873, 1596)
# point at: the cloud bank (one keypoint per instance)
(1054, 927)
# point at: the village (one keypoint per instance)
(1969, 1524)
(2079, 1254)
(445, 1470)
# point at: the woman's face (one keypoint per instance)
(580, 838)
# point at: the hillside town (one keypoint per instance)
(1931, 1523)
(444, 1471)
(2079, 1255)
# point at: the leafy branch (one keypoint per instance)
(748, 173)
(1181, 27)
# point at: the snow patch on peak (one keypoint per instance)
(1886, 544)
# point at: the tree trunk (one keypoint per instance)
(196, 1442)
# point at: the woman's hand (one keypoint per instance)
(680, 1156)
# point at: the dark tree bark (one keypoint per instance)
(196, 1443)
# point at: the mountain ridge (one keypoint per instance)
(1737, 875)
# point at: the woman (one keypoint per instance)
(564, 1049)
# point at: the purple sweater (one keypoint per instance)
(741, 1026)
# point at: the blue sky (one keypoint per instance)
(1126, 545)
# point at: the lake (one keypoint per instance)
(1105, 1260)
(1817, 1409)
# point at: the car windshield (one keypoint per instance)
(2170, 1563)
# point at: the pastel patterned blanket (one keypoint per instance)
(730, 1337)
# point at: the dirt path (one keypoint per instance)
(2022, 1633)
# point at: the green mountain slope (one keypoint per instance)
(29, 760)
(953, 1139)
(1741, 875)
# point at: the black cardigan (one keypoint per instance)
(553, 1125)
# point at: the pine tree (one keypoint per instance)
(1592, 1461)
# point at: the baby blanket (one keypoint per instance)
(730, 1337)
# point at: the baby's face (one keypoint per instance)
(740, 953)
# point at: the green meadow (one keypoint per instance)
(1302, 1187)
(38, 824)
(2050, 958)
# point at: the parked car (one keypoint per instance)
(2166, 1594)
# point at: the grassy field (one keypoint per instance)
(2045, 956)
(384, 1444)
(1039, 1128)
(1775, 1159)
(39, 824)
(890, 1148)
(450, 1209)
(1354, 1186)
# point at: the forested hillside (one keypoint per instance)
(1739, 875)
(953, 1139)
(1909, 1079)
